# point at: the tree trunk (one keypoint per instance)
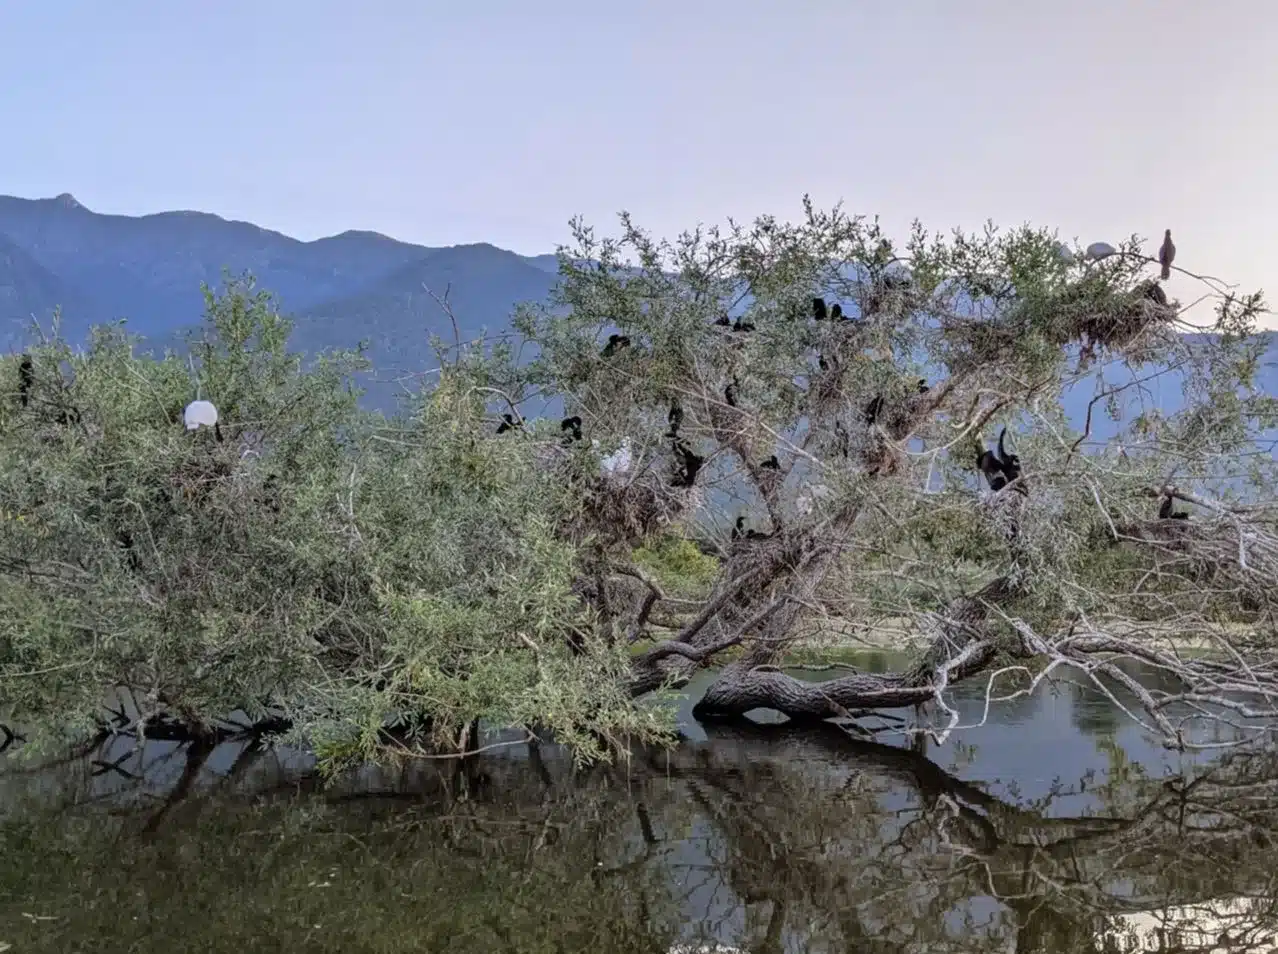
(959, 651)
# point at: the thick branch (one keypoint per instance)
(960, 651)
(701, 654)
(635, 629)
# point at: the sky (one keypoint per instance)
(448, 123)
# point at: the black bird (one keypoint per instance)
(26, 378)
(923, 386)
(1001, 468)
(71, 417)
(992, 468)
(675, 417)
(1165, 511)
(1011, 463)
(508, 423)
(572, 425)
(739, 529)
(873, 410)
(723, 321)
(691, 465)
(836, 312)
(818, 309)
(822, 363)
(756, 535)
(730, 393)
(1154, 292)
(771, 463)
(742, 325)
(615, 344)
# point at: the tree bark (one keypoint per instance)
(960, 650)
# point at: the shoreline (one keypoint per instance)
(898, 635)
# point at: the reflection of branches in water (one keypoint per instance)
(1053, 875)
(790, 835)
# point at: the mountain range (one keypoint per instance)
(341, 290)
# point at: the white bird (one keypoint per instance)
(200, 414)
(619, 461)
(1065, 254)
(1098, 250)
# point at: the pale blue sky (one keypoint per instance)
(444, 123)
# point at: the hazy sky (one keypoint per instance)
(439, 125)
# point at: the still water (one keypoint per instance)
(1024, 834)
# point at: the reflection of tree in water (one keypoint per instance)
(779, 840)
(1090, 712)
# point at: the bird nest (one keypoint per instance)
(1114, 324)
(976, 342)
(200, 473)
(1117, 325)
(627, 509)
(752, 553)
(1240, 556)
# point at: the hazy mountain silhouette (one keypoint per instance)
(341, 290)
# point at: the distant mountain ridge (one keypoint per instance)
(340, 290)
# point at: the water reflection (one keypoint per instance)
(1024, 836)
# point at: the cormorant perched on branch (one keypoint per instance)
(508, 423)
(573, 425)
(26, 378)
(771, 463)
(723, 321)
(873, 409)
(1152, 291)
(923, 386)
(740, 532)
(1001, 468)
(836, 312)
(615, 343)
(690, 463)
(818, 309)
(742, 325)
(675, 418)
(1165, 510)
(730, 393)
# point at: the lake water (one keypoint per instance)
(1020, 835)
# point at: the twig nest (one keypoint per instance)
(630, 511)
(199, 414)
(1099, 250)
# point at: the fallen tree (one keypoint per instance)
(793, 396)
(819, 400)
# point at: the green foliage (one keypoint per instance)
(387, 583)
(1002, 320)
(678, 565)
(352, 573)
